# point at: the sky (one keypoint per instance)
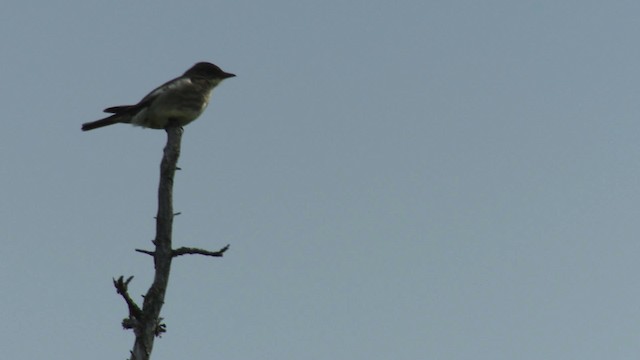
(397, 180)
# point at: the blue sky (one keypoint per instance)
(397, 180)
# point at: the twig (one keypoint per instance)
(152, 253)
(195, 251)
(122, 287)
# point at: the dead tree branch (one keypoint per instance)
(195, 251)
(146, 322)
(150, 324)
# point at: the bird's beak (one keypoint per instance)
(228, 75)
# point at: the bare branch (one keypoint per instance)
(151, 324)
(122, 287)
(145, 321)
(195, 251)
(146, 252)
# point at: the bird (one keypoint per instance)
(176, 102)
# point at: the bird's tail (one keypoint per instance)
(113, 119)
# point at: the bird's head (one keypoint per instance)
(208, 71)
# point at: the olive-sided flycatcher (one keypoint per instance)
(182, 100)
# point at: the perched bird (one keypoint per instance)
(182, 100)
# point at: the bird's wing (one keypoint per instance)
(170, 85)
